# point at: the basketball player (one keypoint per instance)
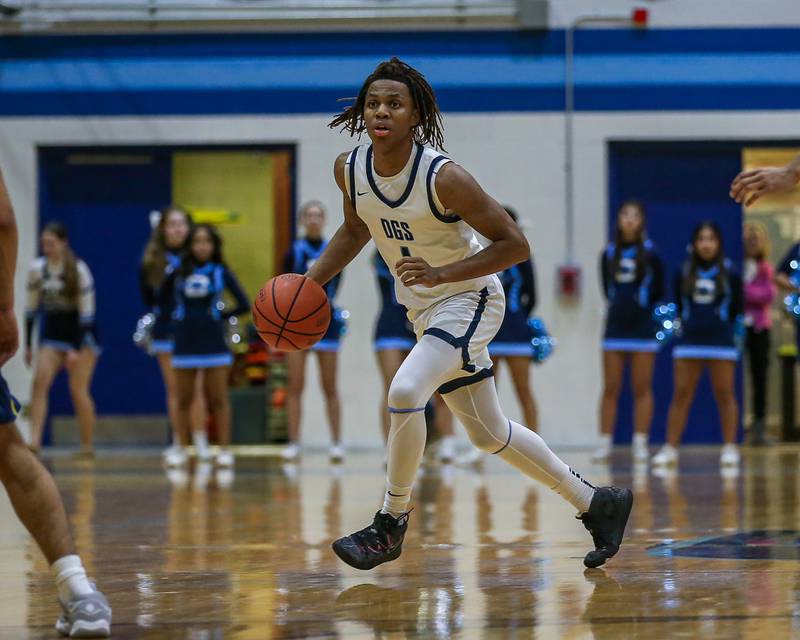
(404, 195)
(749, 186)
(61, 295)
(302, 254)
(30, 488)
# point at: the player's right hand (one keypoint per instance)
(749, 186)
(9, 335)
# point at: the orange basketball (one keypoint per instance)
(291, 312)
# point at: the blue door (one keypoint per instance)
(680, 184)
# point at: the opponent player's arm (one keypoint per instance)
(9, 241)
(749, 186)
(458, 191)
(348, 240)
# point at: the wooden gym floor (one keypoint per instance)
(489, 555)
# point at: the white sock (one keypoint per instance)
(396, 499)
(605, 441)
(639, 439)
(200, 439)
(576, 491)
(71, 578)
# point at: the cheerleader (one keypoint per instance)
(303, 253)
(162, 255)
(394, 339)
(200, 319)
(633, 281)
(708, 293)
(61, 296)
(512, 344)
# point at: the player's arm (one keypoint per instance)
(458, 191)
(348, 240)
(749, 186)
(9, 333)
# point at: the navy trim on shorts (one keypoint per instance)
(411, 179)
(431, 202)
(353, 178)
(463, 341)
(447, 387)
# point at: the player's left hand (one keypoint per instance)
(413, 271)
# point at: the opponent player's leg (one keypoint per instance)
(613, 370)
(37, 503)
(604, 511)
(687, 374)
(642, 365)
(48, 363)
(428, 365)
(328, 361)
(296, 373)
(389, 361)
(215, 380)
(80, 374)
(199, 417)
(722, 374)
(520, 368)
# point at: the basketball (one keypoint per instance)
(291, 312)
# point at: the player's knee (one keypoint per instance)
(403, 394)
(611, 388)
(488, 437)
(642, 390)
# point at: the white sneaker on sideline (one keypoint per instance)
(666, 457)
(201, 448)
(640, 451)
(175, 457)
(471, 457)
(336, 453)
(290, 451)
(602, 453)
(224, 458)
(730, 457)
(447, 449)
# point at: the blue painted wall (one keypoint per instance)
(673, 69)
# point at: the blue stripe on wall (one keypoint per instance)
(476, 71)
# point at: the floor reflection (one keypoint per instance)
(206, 555)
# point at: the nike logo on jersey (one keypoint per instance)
(396, 230)
(362, 194)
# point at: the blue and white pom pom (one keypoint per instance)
(665, 317)
(542, 343)
(143, 336)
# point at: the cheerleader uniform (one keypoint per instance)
(708, 314)
(64, 324)
(199, 316)
(161, 302)
(631, 297)
(514, 335)
(303, 253)
(790, 265)
(393, 330)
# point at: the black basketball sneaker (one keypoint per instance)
(380, 542)
(606, 519)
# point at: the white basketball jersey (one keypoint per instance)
(406, 218)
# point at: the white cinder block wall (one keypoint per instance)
(518, 158)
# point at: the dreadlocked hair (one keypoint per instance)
(429, 130)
